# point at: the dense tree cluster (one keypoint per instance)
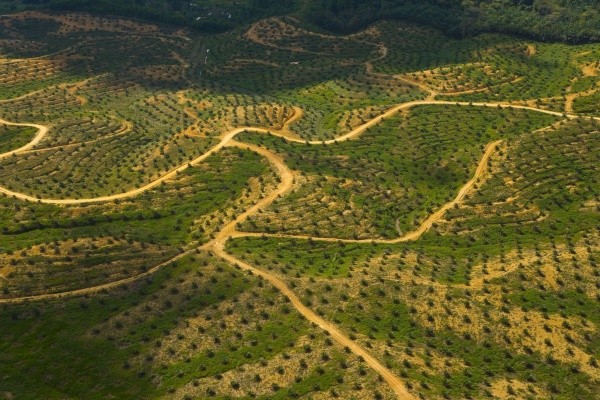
(570, 21)
(574, 21)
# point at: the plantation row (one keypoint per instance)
(372, 187)
(519, 255)
(166, 330)
(498, 299)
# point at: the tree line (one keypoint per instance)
(572, 21)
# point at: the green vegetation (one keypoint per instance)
(187, 328)
(496, 298)
(588, 104)
(573, 21)
(20, 78)
(520, 257)
(14, 137)
(567, 21)
(169, 214)
(372, 187)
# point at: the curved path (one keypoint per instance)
(392, 380)
(227, 137)
(96, 289)
(126, 127)
(217, 245)
(23, 96)
(71, 87)
(42, 131)
(411, 236)
(572, 97)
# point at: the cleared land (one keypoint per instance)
(180, 158)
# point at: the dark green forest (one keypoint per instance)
(572, 21)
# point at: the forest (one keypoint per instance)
(574, 21)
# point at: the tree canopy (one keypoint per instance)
(573, 21)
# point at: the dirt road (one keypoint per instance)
(227, 137)
(392, 380)
(217, 246)
(42, 131)
(95, 289)
(410, 236)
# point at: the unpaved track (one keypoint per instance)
(227, 137)
(217, 246)
(411, 236)
(95, 289)
(132, 193)
(298, 113)
(287, 179)
(71, 87)
(23, 96)
(42, 131)
(392, 380)
(570, 98)
(125, 128)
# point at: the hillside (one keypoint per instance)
(573, 21)
(277, 212)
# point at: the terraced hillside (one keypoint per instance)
(279, 213)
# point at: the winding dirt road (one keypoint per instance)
(42, 131)
(126, 127)
(411, 236)
(218, 244)
(570, 98)
(392, 380)
(229, 136)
